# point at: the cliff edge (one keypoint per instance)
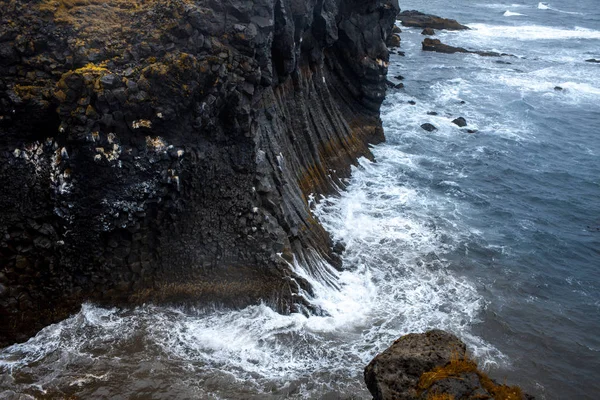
(167, 150)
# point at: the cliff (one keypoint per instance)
(167, 150)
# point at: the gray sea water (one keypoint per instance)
(493, 235)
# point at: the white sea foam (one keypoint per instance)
(509, 13)
(532, 32)
(396, 281)
(546, 6)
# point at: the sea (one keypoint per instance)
(492, 234)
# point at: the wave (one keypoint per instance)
(533, 32)
(546, 6)
(509, 13)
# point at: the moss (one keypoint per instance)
(456, 368)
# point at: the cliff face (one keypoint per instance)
(167, 150)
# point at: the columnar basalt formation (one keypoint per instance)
(168, 150)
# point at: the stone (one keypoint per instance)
(429, 365)
(416, 19)
(593, 60)
(428, 127)
(460, 121)
(432, 113)
(394, 41)
(394, 374)
(428, 32)
(439, 47)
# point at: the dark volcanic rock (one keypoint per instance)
(418, 366)
(394, 374)
(437, 46)
(592, 60)
(417, 19)
(166, 150)
(428, 32)
(394, 41)
(460, 121)
(428, 127)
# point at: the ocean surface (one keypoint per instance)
(493, 235)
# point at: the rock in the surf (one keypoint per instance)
(393, 41)
(396, 29)
(428, 32)
(593, 60)
(460, 121)
(416, 19)
(439, 47)
(428, 127)
(435, 363)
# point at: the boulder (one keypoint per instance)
(393, 41)
(432, 365)
(439, 47)
(428, 32)
(416, 19)
(460, 121)
(396, 29)
(428, 127)
(593, 60)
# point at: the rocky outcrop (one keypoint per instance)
(432, 365)
(168, 150)
(593, 60)
(416, 19)
(439, 47)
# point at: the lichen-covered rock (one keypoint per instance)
(166, 150)
(432, 365)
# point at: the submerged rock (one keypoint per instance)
(428, 127)
(435, 363)
(428, 32)
(592, 60)
(412, 18)
(460, 121)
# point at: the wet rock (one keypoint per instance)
(399, 77)
(394, 41)
(428, 127)
(418, 366)
(412, 18)
(396, 29)
(428, 32)
(437, 46)
(412, 102)
(472, 130)
(395, 373)
(432, 113)
(460, 121)
(558, 88)
(592, 60)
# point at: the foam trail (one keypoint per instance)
(546, 6)
(509, 13)
(532, 32)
